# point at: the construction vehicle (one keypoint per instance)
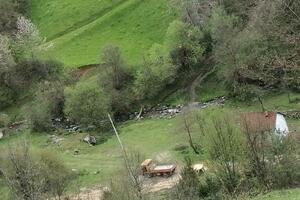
(150, 169)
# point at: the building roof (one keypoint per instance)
(258, 121)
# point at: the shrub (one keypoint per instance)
(226, 149)
(210, 186)
(129, 184)
(4, 120)
(147, 85)
(7, 97)
(114, 71)
(188, 186)
(33, 176)
(87, 104)
(8, 18)
(47, 104)
(57, 175)
(29, 71)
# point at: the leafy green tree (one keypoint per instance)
(147, 84)
(115, 80)
(87, 104)
(47, 104)
(183, 42)
(114, 73)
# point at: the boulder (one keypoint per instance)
(1, 134)
(90, 139)
(76, 152)
(54, 139)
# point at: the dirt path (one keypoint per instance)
(160, 183)
(151, 185)
(196, 83)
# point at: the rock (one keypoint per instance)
(55, 139)
(90, 139)
(76, 152)
(1, 134)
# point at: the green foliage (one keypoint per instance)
(7, 97)
(47, 105)
(194, 186)
(225, 146)
(115, 79)
(57, 175)
(221, 25)
(245, 92)
(4, 120)
(180, 54)
(27, 42)
(188, 186)
(286, 151)
(33, 176)
(183, 41)
(147, 84)
(87, 104)
(113, 74)
(256, 50)
(9, 14)
(272, 159)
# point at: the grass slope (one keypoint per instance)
(56, 18)
(134, 25)
(151, 138)
(280, 195)
(154, 138)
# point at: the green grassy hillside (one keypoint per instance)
(153, 138)
(79, 29)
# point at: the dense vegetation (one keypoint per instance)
(142, 57)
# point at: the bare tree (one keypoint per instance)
(226, 150)
(133, 169)
(23, 174)
(187, 121)
(194, 12)
(34, 177)
(128, 186)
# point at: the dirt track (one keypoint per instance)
(151, 185)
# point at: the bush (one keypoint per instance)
(87, 104)
(4, 120)
(9, 15)
(115, 80)
(188, 186)
(147, 85)
(57, 175)
(47, 104)
(114, 71)
(271, 160)
(210, 186)
(227, 150)
(7, 97)
(33, 176)
(30, 71)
